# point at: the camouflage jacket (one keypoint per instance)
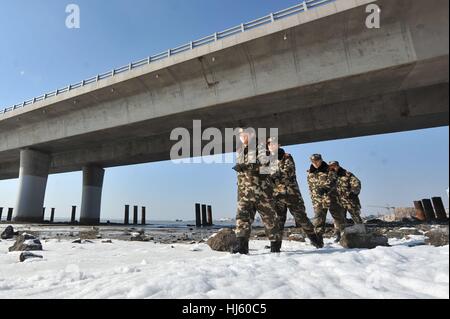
(348, 188)
(322, 186)
(251, 182)
(286, 177)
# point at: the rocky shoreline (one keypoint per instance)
(192, 235)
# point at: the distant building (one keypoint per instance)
(399, 214)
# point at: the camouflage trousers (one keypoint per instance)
(296, 206)
(353, 206)
(355, 213)
(266, 207)
(320, 216)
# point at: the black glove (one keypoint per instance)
(322, 191)
(353, 196)
(239, 168)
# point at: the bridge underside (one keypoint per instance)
(298, 122)
(322, 83)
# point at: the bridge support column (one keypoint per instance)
(92, 195)
(33, 174)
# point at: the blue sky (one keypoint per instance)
(39, 54)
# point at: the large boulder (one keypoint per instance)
(359, 237)
(224, 240)
(9, 233)
(26, 242)
(437, 237)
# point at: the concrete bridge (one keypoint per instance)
(318, 74)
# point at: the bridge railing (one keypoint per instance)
(299, 8)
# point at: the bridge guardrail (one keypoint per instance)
(301, 7)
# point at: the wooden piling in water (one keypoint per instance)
(198, 218)
(135, 215)
(126, 219)
(43, 213)
(1, 213)
(143, 216)
(420, 212)
(204, 216)
(210, 217)
(52, 215)
(439, 208)
(10, 214)
(74, 213)
(429, 211)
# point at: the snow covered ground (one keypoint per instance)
(148, 270)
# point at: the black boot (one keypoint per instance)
(316, 240)
(275, 246)
(241, 246)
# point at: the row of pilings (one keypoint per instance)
(73, 215)
(427, 210)
(203, 215)
(430, 210)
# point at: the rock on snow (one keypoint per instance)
(26, 242)
(224, 240)
(437, 237)
(359, 236)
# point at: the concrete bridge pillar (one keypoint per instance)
(92, 195)
(33, 174)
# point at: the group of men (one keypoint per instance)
(273, 192)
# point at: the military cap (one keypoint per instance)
(334, 163)
(316, 157)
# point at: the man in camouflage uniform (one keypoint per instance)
(322, 184)
(348, 189)
(255, 193)
(288, 196)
